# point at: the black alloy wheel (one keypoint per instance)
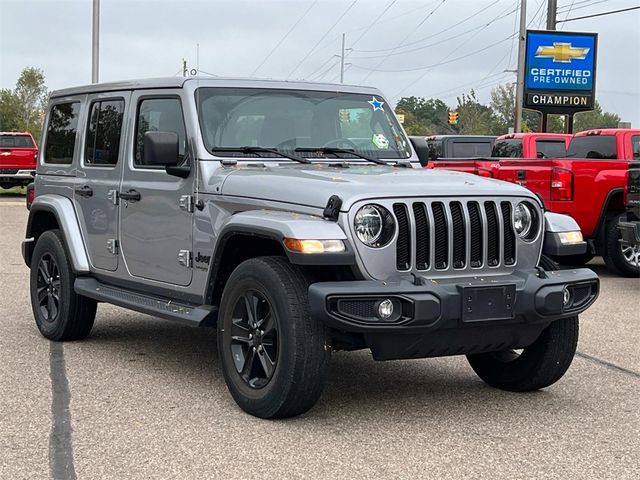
(254, 339)
(48, 288)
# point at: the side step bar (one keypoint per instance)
(190, 314)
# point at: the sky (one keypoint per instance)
(426, 48)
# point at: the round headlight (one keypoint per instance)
(374, 225)
(522, 219)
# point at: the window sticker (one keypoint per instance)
(375, 103)
(380, 141)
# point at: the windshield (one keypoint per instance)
(290, 119)
(16, 141)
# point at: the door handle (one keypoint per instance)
(522, 174)
(84, 191)
(131, 196)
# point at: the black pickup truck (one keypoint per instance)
(445, 147)
(630, 226)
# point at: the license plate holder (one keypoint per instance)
(486, 303)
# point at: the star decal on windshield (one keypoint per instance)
(376, 104)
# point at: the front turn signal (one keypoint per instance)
(314, 246)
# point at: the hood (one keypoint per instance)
(312, 185)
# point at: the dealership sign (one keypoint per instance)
(560, 71)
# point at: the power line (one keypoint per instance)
(405, 38)
(611, 12)
(590, 3)
(439, 42)
(443, 61)
(322, 38)
(312, 74)
(284, 37)
(439, 63)
(373, 23)
(568, 12)
(407, 44)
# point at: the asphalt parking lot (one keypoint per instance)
(145, 398)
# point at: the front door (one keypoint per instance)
(155, 216)
(99, 174)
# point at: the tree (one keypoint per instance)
(9, 111)
(595, 118)
(424, 116)
(503, 101)
(22, 108)
(474, 118)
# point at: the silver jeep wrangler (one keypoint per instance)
(295, 217)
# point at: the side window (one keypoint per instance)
(593, 146)
(550, 148)
(159, 115)
(635, 146)
(61, 133)
(103, 132)
(509, 148)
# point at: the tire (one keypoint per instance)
(574, 260)
(288, 377)
(59, 312)
(618, 258)
(540, 364)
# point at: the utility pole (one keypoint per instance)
(521, 66)
(552, 9)
(342, 61)
(95, 41)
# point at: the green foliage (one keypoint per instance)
(429, 116)
(475, 118)
(22, 109)
(595, 118)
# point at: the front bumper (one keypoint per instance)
(471, 315)
(629, 232)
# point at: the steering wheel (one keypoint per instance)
(340, 143)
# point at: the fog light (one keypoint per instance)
(566, 296)
(568, 238)
(385, 309)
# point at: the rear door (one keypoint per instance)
(99, 174)
(155, 216)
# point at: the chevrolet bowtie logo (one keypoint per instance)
(562, 52)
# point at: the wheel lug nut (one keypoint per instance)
(250, 336)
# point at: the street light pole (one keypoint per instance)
(95, 41)
(521, 66)
(342, 61)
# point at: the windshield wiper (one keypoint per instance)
(258, 150)
(336, 150)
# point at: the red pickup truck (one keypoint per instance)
(18, 157)
(586, 183)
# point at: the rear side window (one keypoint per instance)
(61, 133)
(16, 141)
(435, 148)
(103, 132)
(635, 146)
(159, 115)
(551, 148)
(470, 149)
(509, 148)
(593, 146)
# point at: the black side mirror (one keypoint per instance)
(422, 149)
(161, 149)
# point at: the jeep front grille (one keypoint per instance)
(454, 234)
